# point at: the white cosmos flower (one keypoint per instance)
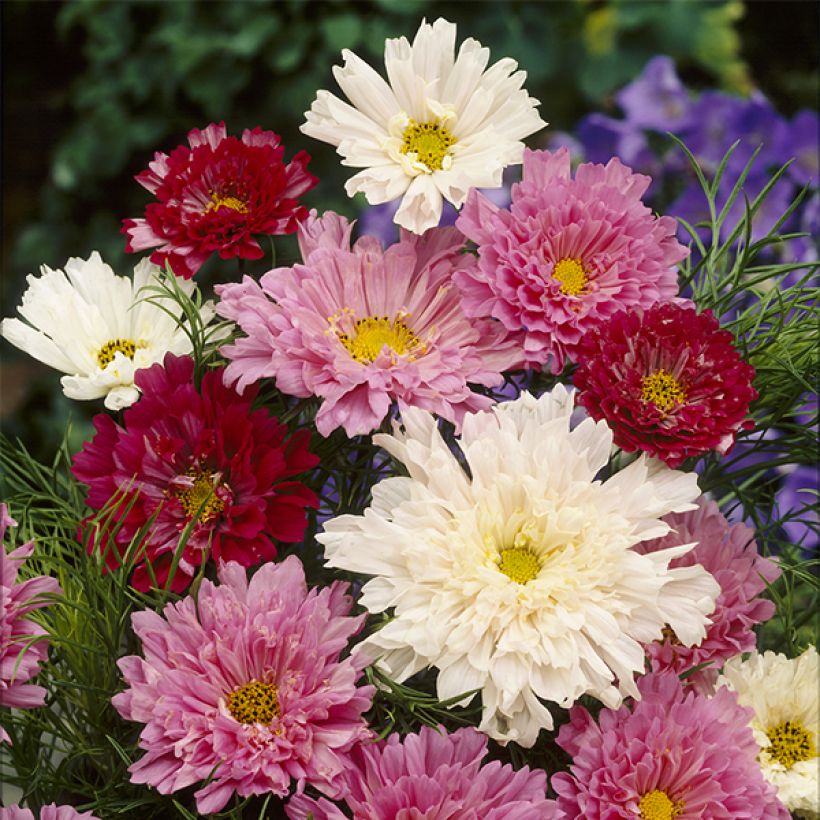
(783, 693)
(97, 327)
(518, 578)
(442, 125)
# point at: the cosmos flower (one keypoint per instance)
(215, 196)
(50, 812)
(443, 124)
(673, 754)
(97, 327)
(22, 642)
(729, 553)
(785, 720)
(362, 327)
(201, 459)
(568, 254)
(668, 381)
(514, 574)
(432, 774)
(244, 686)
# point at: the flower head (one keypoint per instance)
(445, 123)
(216, 195)
(517, 578)
(50, 812)
(729, 553)
(22, 644)
(785, 720)
(433, 774)
(568, 254)
(674, 754)
(246, 685)
(361, 327)
(668, 381)
(97, 327)
(201, 459)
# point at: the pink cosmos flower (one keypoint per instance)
(201, 458)
(216, 195)
(673, 754)
(729, 552)
(246, 684)
(361, 327)
(433, 774)
(568, 254)
(49, 812)
(21, 648)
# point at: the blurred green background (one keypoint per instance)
(93, 88)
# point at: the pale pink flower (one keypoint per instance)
(568, 254)
(363, 327)
(245, 685)
(433, 774)
(729, 553)
(22, 642)
(49, 812)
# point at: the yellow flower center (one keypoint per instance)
(231, 202)
(128, 347)
(656, 805)
(429, 141)
(791, 743)
(663, 390)
(255, 702)
(519, 564)
(200, 498)
(572, 276)
(370, 335)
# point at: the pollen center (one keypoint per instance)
(519, 564)
(200, 498)
(791, 743)
(656, 805)
(663, 390)
(429, 141)
(370, 335)
(128, 347)
(255, 702)
(572, 276)
(232, 202)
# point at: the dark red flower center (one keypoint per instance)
(199, 499)
(663, 390)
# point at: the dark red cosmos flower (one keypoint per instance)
(668, 381)
(202, 455)
(215, 195)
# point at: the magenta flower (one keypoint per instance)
(362, 327)
(729, 552)
(49, 812)
(22, 644)
(246, 684)
(673, 754)
(568, 254)
(433, 774)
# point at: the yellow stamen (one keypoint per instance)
(128, 347)
(231, 202)
(572, 276)
(201, 492)
(370, 335)
(663, 390)
(520, 564)
(255, 702)
(791, 743)
(429, 141)
(656, 805)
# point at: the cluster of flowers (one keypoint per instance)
(520, 560)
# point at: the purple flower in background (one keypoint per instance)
(803, 139)
(713, 128)
(603, 137)
(795, 504)
(657, 99)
